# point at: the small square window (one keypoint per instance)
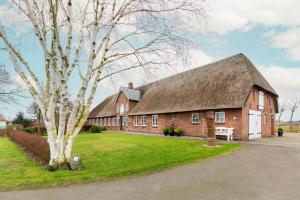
(220, 117)
(195, 118)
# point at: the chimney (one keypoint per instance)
(130, 85)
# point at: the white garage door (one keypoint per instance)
(254, 124)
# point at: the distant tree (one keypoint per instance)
(293, 108)
(282, 109)
(2, 117)
(8, 89)
(21, 119)
(35, 111)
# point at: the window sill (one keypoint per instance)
(195, 123)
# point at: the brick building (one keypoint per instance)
(232, 88)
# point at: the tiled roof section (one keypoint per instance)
(131, 94)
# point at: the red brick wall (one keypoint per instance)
(184, 121)
(252, 104)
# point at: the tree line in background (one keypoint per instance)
(290, 106)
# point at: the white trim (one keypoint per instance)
(135, 120)
(142, 121)
(217, 118)
(195, 114)
(154, 119)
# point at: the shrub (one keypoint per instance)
(165, 131)
(102, 128)
(29, 130)
(95, 129)
(171, 130)
(280, 129)
(35, 144)
(178, 131)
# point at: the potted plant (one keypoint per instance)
(165, 131)
(280, 132)
(178, 132)
(171, 130)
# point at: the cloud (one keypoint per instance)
(290, 40)
(228, 15)
(285, 81)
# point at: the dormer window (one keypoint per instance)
(121, 108)
(261, 100)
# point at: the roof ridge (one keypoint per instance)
(193, 69)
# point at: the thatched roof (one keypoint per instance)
(219, 85)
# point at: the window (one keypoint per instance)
(136, 120)
(101, 122)
(220, 117)
(122, 108)
(126, 121)
(265, 118)
(118, 122)
(154, 120)
(113, 121)
(117, 109)
(195, 118)
(108, 121)
(144, 121)
(261, 100)
(104, 121)
(127, 107)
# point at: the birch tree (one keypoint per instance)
(93, 40)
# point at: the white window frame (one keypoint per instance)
(113, 121)
(155, 120)
(108, 121)
(144, 120)
(261, 100)
(121, 108)
(118, 121)
(218, 118)
(136, 120)
(104, 123)
(195, 120)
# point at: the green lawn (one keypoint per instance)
(105, 155)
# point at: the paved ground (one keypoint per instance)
(266, 169)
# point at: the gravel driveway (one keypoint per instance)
(266, 169)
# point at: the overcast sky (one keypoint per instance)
(266, 31)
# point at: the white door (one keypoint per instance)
(254, 124)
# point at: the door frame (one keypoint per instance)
(256, 131)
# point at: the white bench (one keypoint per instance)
(224, 131)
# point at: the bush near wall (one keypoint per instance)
(35, 144)
(34, 129)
